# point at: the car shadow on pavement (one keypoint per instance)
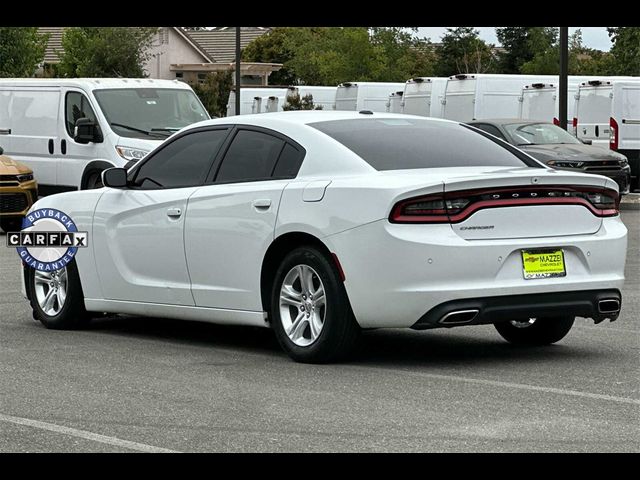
(463, 346)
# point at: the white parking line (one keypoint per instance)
(140, 447)
(519, 386)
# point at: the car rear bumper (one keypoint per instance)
(597, 304)
(395, 273)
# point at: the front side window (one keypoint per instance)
(251, 156)
(184, 162)
(77, 106)
(149, 112)
(489, 129)
(401, 143)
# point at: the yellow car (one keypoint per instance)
(18, 191)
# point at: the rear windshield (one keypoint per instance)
(400, 143)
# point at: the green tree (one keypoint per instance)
(21, 50)
(521, 44)
(294, 102)
(462, 51)
(625, 49)
(105, 51)
(332, 55)
(214, 92)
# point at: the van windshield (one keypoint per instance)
(149, 112)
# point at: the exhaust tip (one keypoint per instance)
(459, 317)
(610, 305)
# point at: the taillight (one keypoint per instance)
(556, 121)
(456, 207)
(574, 124)
(613, 134)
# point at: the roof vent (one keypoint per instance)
(461, 76)
(594, 83)
(366, 112)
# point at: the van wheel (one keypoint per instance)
(11, 224)
(56, 298)
(94, 180)
(535, 331)
(310, 310)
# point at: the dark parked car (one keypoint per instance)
(557, 148)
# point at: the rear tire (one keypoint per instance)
(313, 322)
(541, 331)
(61, 308)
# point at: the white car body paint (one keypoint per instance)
(394, 272)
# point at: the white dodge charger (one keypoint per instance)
(320, 224)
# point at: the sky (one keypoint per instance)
(592, 37)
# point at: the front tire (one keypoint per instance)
(539, 331)
(56, 298)
(310, 311)
(94, 180)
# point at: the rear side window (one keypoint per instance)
(184, 162)
(400, 143)
(251, 156)
(289, 162)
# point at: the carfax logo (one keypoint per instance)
(48, 241)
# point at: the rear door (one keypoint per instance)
(34, 118)
(230, 223)
(626, 113)
(593, 113)
(459, 100)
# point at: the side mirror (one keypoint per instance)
(114, 178)
(86, 131)
(587, 142)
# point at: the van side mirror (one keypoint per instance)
(586, 141)
(86, 131)
(114, 177)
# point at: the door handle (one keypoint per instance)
(174, 212)
(7, 131)
(51, 146)
(262, 204)
(63, 146)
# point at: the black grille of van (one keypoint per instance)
(13, 202)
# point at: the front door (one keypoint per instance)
(139, 231)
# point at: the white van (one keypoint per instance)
(356, 96)
(423, 96)
(256, 105)
(475, 96)
(540, 101)
(247, 95)
(322, 96)
(69, 130)
(394, 103)
(274, 104)
(608, 114)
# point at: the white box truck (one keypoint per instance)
(247, 95)
(324, 97)
(475, 96)
(608, 114)
(423, 96)
(70, 130)
(394, 103)
(356, 96)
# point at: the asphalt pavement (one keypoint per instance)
(130, 384)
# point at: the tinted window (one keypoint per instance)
(400, 143)
(251, 156)
(77, 106)
(288, 163)
(182, 163)
(489, 129)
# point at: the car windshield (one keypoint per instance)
(538, 134)
(149, 112)
(408, 143)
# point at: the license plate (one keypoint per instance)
(543, 264)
